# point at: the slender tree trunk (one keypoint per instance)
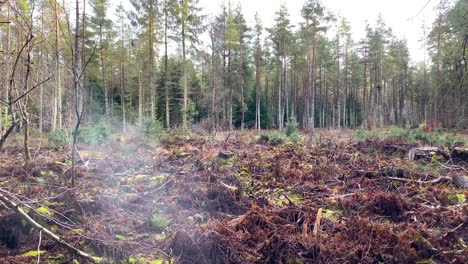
(184, 115)
(437, 99)
(278, 77)
(242, 85)
(267, 96)
(122, 80)
(365, 101)
(337, 88)
(346, 88)
(152, 66)
(81, 101)
(166, 86)
(76, 84)
(257, 89)
(214, 112)
(103, 75)
(57, 115)
(230, 88)
(285, 83)
(140, 99)
(313, 77)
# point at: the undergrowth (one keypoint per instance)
(438, 138)
(289, 133)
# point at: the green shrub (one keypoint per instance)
(438, 138)
(276, 138)
(363, 134)
(445, 139)
(295, 138)
(94, 134)
(398, 132)
(292, 127)
(419, 134)
(158, 222)
(57, 138)
(151, 129)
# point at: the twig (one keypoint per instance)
(226, 140)
(159, 188)
(81, 157)
(39, 247)
(30, 90)
(37, 150)
(289, 200)
(454, 229)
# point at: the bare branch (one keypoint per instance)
(30, 90)
(16, 207)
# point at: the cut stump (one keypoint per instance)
(461, 181)
(424, 152)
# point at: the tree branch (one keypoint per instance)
(16, 207)
(30, 90)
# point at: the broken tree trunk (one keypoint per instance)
(461, 181)
(56, 238)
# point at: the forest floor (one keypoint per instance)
(231, 198)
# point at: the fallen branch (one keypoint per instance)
(10, 204)
(438, 180)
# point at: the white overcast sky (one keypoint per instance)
(398, 14)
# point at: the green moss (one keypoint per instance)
(158, 222)
(295, 198)
(138, 177)
(48, 203)
(44, 210)
(33, 253)
(143, 260)
(456, 198)
(2, 183)
(282, 200)
(331, 215)
(56, 259)
(99, 260)
(158, 178)
(120, 237)
(40, 180)
(295, 260)
(425, 261)
(161, 236)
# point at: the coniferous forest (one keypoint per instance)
(147, 131)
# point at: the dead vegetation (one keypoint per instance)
(207, 200)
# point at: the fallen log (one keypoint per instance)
(16, 207)
(461, 181)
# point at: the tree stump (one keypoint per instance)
(461, 181)
(424, 152)
(459, 153)
(225, 155)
